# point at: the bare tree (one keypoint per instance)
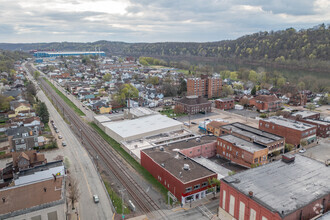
(73, 191)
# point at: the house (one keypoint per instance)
(265, 103)
(20, 107)
(27, 159)
(32, 122)
(296, 187)
(225, 103)
(294, 132)
(22, 138)
(193, 105)
(13, 93)
(298, 99)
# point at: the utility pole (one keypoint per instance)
(122, 203)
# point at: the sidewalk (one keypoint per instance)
(196, 203)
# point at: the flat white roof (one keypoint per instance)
(305, 113)
(289, 123)
(102, 118)
(128, 128)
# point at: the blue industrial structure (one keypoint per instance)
(66, 54)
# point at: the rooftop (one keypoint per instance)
(225, 99)
(194, 100)
(289, 123)
(216, 124)
(285, 187)
(319, 122)
(128, 128)
(173, 161)
(266, 98)
(192, 142)
(305, 114)
(241, 143)
(257, 135)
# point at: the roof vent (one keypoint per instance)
(186, 166)
(198, 139)
(250, 193)
(161, 148)
(162, 164)
(288, 158)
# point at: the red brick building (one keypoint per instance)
(193, 105)
(266, 103)
(186, 179)
(298, 99)
(293, 131)
(307, 115)
(214, 127)
(278, 190)
(205, 86)
(268, 140)
(240, 151)
(225, 103)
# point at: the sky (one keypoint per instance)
(32, 21)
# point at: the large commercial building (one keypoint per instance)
(68, 53)
(186, 179)
(129, 130)
(293, 131)
(225, 103)
(205, 86)
(295, 187)
(266, 103)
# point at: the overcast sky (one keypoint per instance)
(23, 21)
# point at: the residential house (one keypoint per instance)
(214, 127)
(22, 138)
(266, 103)
(27, 159)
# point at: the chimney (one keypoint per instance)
(251, 194)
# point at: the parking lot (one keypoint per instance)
(245, 113)
(320, 152)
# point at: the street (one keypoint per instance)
(81, 168)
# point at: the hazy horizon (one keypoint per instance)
(146, 21)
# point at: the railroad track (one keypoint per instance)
(106, 154)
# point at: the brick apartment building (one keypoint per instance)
(214, 127)
(289, 189)
(268, 140)
(307, 115)
(241, 152)
(266, 103)
(225, 103)
(193, 104)
(293, 131)
(205, 86)
(186, 179)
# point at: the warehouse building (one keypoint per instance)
(129, 130)
(67, 54)
(295, 187)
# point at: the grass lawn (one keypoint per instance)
(73, 106)
(116, 199)
(46, 127)
(115, 145)
(170, 113)
(2, 152)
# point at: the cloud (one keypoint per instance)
(153, 20)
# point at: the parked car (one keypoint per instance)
(186, 124)
(56, 130)
(302, 150)
(96, 198)
(193, 123)
(60, 137)
(63, 144)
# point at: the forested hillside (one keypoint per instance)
(8, 58)
(304, 49)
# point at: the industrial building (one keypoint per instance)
(295, 187)
(67, 53)
(129, 130)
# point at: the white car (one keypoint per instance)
(96, 198)
(60, 137)
(302, 150)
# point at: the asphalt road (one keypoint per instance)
(81, 168)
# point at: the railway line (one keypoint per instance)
(107, 155)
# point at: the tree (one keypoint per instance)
(169, 90)
(310, 107)
(253, 77)
(42, 112)
(233, 76)
(178, 109)
(73, 191)
(244, 102)
(127, 91)
(254, 90)
(154, 80)
(5, 102)
(303, 143)
(182, 87)
(280, 81)
(227, 90)
(301, 85)
(30, 88)
(288, 147)
(238, 86)
(36, 74)
(225, 74)
(107, 77)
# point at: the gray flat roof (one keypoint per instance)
(139, 126)
(241, 143)
(289, 123)
(284, 187)
(318, 121)
(191, 142)
(305, 114)
(253, 133)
